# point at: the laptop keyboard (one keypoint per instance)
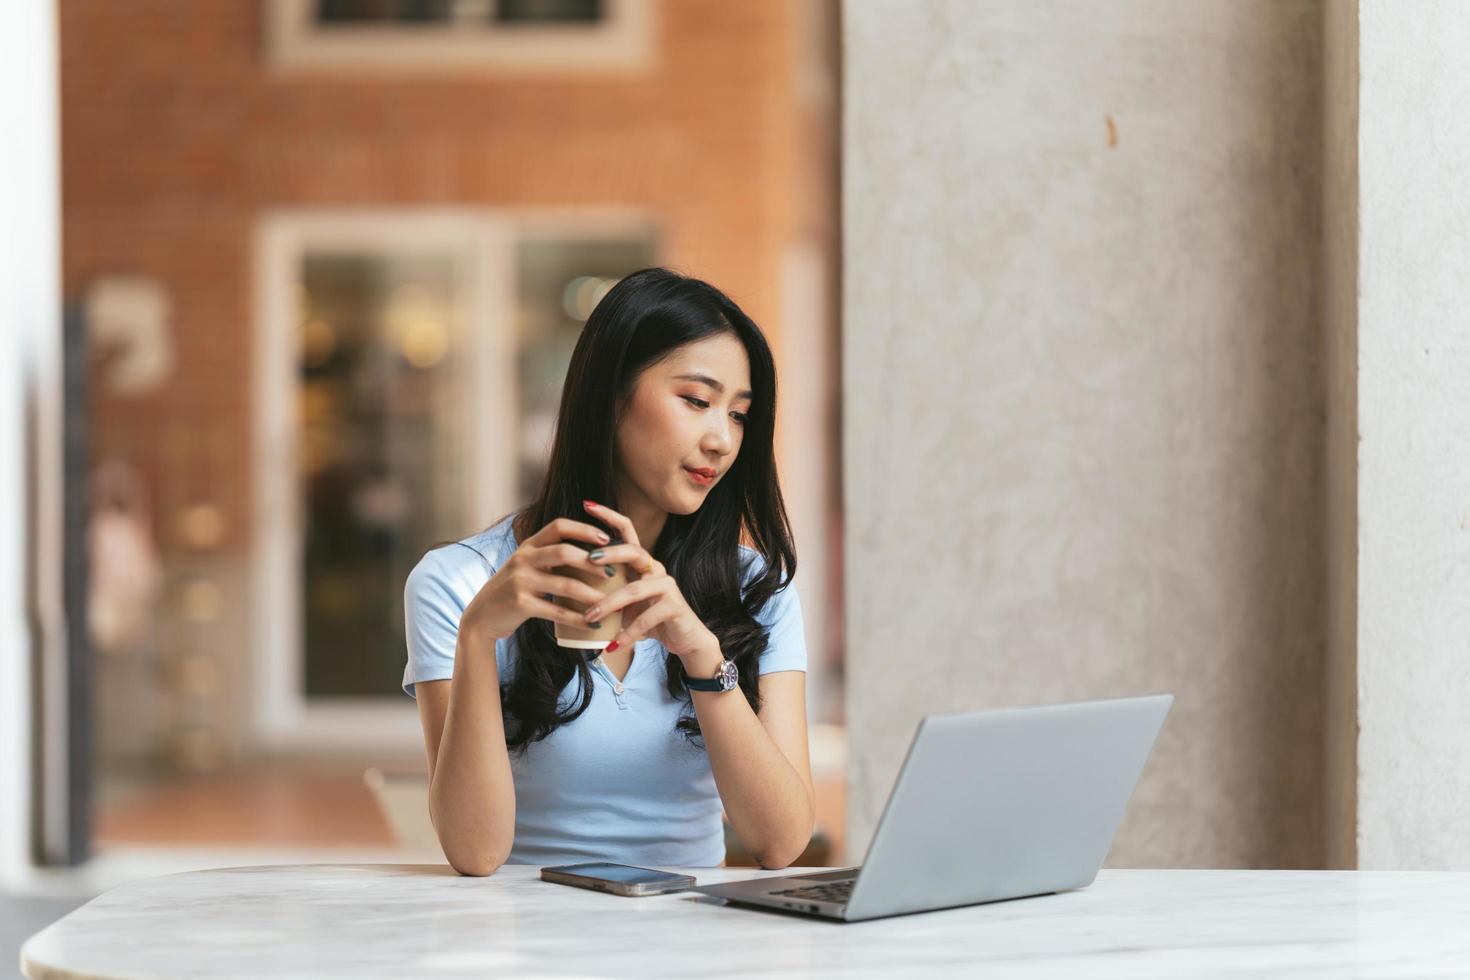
(836, 891)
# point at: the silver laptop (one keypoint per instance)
(988, 805)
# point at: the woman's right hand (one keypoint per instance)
(518, 590)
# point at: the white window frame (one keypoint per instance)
(282, 717)
(622, 43)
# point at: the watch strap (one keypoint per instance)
(711, 683)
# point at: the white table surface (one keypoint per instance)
(386, 920)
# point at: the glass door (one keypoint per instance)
(409, 398)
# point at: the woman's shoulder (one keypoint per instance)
(781, 615)
(464, 565)
(752, 566)
(747, 556)
(494, 544)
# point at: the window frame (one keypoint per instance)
(622, 43)
(281, 716)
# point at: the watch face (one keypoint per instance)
(729, 676)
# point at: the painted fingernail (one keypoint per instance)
(611, 646)
(609, 570)
(588, 503)
(603, 538)
(596, 555)
(597, 625)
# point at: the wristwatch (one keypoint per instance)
(725, 679)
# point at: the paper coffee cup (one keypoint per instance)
(585, 637)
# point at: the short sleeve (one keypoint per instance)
(438, 589)
(786, 641)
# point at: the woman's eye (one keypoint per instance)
(740, 417)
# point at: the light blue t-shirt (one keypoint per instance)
(619, 783)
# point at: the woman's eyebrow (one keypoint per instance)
(706, 379)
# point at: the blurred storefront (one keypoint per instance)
(331, 259)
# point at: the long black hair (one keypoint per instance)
(639, 322)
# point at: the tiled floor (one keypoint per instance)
(296, 803)
(270, 802)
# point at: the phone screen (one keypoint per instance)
(621, 873)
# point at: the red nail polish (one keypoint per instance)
(588, 503)
(611, 647)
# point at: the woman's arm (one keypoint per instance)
(761, 763)
(472, 799)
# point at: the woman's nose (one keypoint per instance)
(718, 438)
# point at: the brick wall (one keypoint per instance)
(175, 134)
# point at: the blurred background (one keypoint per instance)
(1123, 352)
(323, 264)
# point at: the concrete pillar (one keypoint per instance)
(1413, 414)
(30, 364)
(1082, 394)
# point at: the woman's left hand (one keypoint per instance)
(651, 601)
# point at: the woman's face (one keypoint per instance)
(675, 422)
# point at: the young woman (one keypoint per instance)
(537, 756)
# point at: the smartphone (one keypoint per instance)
(620, 879)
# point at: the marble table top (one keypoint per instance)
(387, 920)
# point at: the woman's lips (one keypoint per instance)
(699, 477)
